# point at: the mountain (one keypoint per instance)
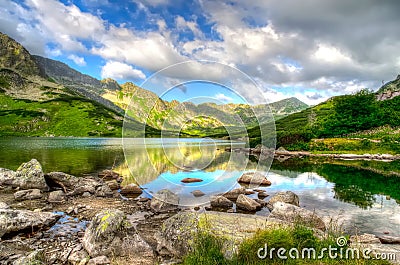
(145, 106)
(389, 90)
(34, 104)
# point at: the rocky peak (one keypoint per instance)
(111, 84)
(389, 90)
(14, 56)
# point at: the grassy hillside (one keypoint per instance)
(342, 123)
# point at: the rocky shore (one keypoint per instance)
(57, 218)
(282, 154)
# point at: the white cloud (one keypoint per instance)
(223, 98)
(121, 71)
(77, 60)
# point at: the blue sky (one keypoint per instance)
(309, 49)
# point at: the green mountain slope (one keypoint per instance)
(363, 115)
(32, 104)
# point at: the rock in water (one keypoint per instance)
(234, 194)
(110, 233)
(283, 196)
(245, 203)
(164, 201)
(191, 180)
(31, 194)
(220, 202)
(131, 189)
(254, 178)
(17, 221)
(294, 214)
(198, 193)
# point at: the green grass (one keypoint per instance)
(208, 249)
(62, 116)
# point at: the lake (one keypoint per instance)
(363, 195)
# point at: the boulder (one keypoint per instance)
(365, 239)
(77, 257)
(177, 233)
(191, 180)
(31, 194)
(234, 194)
(72, 185)
(198, 193)
(220, 202)
(283, 196)
(7, 177)
(294, 214)
(254, 178)
(261, 202)
(18, 221)
(110, 233)
(247, 204)
(56, 196)
(131, 189)
(28, 176)
(164, 201)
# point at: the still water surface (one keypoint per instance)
(363, 200)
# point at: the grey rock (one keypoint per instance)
(72, 185)
(77, 257)
(365, 239)
(30, 176)
(198, 193)
(254, 179)
(100, 260)
(164, 201)
(35, 257)
(283, 196)
(56, 196)
(175, 236)
(234, 194)
(294, 214)
(7, 177)
(110, 233)
(31, 194)
(15, 221)
(245, 203)
(220, 202)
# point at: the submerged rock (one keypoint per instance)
(294, 214)
(17, 221)
(283, 196)
(254, 178)
(110, 233)
(220, 202)
(31, 194)
(164, 201)
(191, 180)
(245, 203)
(198, 193)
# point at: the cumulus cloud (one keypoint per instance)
(332, 47)
(77, 60)
(223, 98)
(121, 71)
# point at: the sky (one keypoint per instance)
(308, 49)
